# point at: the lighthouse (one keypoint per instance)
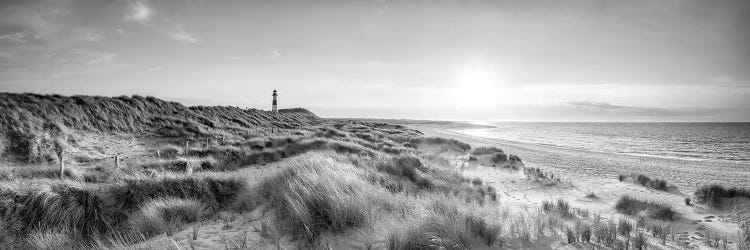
(273, 105)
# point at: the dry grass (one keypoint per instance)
(485, 151)
(166, 215)
(646, 181)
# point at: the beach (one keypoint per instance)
(585, 172)
(686, 175)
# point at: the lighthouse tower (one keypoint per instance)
(273, 105)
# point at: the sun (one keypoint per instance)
(475, 85)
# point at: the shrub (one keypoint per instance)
(687, 201)
(166, 215)
(631, 206)
(712, 195)
(591, 195)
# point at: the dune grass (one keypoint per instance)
(317, 193)
(631, 206)
(30, 123)
(712, 195)
(485, 151)
(166, 215)
(646, 181)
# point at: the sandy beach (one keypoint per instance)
(686, 175)
(584, 172)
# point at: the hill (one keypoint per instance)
(28, 120)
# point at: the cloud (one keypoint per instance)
(603, 107)
(139, 12)
(181, 35)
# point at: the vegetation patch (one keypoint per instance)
(486, 151)
(632, 206)
(645, 181)
(166, 215)
(712, 195)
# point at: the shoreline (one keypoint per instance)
(686, 175)
(561, 147)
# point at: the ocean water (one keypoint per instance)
(689, 141)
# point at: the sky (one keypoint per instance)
(530, 60)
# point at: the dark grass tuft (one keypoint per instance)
(646, 181)
(712, 195)
(486, 151)
(632, 206)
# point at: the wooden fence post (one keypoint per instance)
(187, 147)
(117, 161)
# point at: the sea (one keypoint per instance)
(689, 141)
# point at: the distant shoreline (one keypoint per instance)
(686, 174)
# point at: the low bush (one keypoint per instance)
(632, 206)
